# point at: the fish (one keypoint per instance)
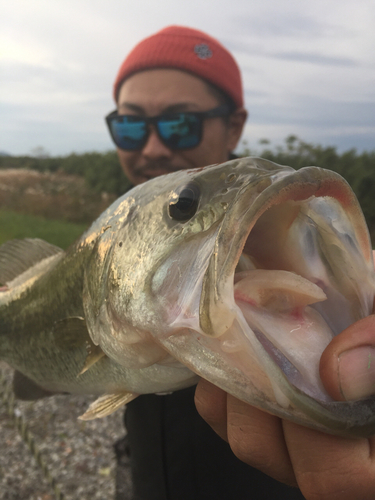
(240, 273)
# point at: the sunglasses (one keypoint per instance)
(175, 130)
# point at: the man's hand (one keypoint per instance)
(324, 467)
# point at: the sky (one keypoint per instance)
(308, 67)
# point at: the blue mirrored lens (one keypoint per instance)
(129, 132)
(180, 131)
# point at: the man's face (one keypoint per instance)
(157, 91)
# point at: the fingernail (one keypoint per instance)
(357, 373)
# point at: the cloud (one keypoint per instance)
(316, 58)
(307, 68)
(287, 25)
(345, 125)
(316, 112)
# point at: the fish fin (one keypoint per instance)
(107, 404)
(27, 390)
(17, 256)
(94, 355)
(72, 333)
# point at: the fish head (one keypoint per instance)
(150, 253)
(244, 272)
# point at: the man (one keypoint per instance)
(180, 98)
(193, 84)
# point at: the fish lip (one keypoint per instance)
(215, 315)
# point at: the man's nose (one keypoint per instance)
(154, 147)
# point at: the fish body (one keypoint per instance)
(240, 273)
(45, 335)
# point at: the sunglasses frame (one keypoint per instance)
(219, 111)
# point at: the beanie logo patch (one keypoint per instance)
(203, 51)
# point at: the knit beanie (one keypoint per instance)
(186, 49)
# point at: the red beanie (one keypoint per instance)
(186, 49)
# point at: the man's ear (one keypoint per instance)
(236, 123)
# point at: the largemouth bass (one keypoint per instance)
(240, 273)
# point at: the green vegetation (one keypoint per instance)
(102, 171)
(60, 233)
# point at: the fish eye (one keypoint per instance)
(185, 205)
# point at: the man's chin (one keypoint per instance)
(157, 172)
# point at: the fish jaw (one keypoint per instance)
(267, 352)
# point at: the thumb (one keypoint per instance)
(347, 365)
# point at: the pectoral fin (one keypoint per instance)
(107, 404)
(71, 333)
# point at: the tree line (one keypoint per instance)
(103, 173)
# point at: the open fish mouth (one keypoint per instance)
(309, 223)
(289, 271)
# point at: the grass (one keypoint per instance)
(60, 233)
